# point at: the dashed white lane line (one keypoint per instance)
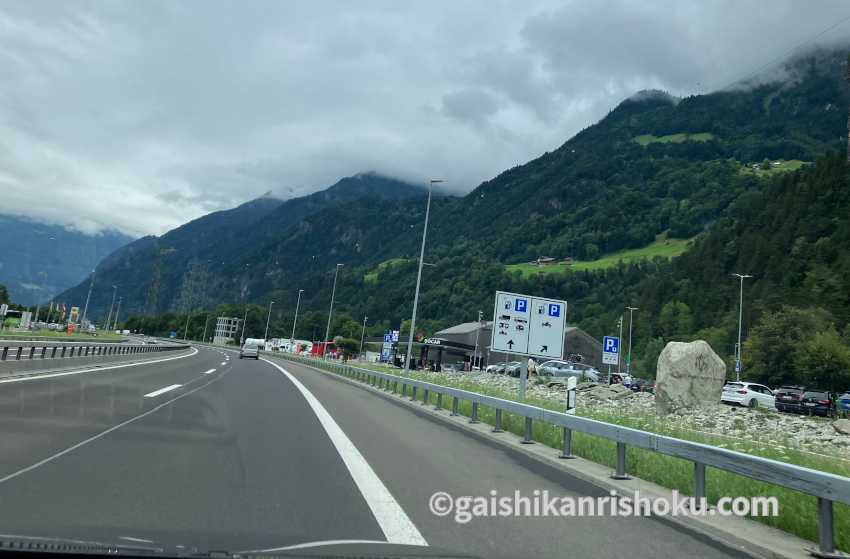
(156, 393)
(223, 363)
(394, 522)
(209, 372)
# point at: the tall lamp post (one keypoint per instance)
(88, 298)
(268, 319)
(330, 313)
(117, 310)
(295, 320)
(206, 323)
(111, 306)
(477, 333)
(629, 362)
(431, 184)
(362, 335)
(186, 328)
(738, 360)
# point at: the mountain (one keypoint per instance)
(40, 260)
(194, 264)
(656, 166)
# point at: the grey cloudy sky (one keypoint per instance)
(141, 115)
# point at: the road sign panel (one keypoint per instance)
(738, 366)
(547, 327)
(610, 350)
(525, 325)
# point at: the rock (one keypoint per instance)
(842, 426)
(690, 375)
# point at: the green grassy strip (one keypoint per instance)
(798, 511)
(646, 139)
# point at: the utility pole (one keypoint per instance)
(330, 313)
(295, 320)
(244, 318)
(111, 306)
(738, 361)
(88, 298)
(268, 319)
(186, 328)
(115, 325)
(477, 334)
(431, 184)
(362, 335)
(619, 357)
(206, 323)
(629, 362)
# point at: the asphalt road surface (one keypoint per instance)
(208, 452)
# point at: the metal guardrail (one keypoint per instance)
(18, 352)
(827, 487)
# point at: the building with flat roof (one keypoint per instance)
(226, 329)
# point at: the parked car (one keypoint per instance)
(513, 369)
(817, 402)
(249, 351)
(747, 394)
(844, 403)
(789, 398)
(556, 371)
(496, 368)
(642, 385)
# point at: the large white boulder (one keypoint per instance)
(690, 375)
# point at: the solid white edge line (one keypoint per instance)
(106, 432)
(391, 518)
(97, 369)
(163, 390)
(308, 545)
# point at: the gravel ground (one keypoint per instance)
(759, 427)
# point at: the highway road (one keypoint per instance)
(206, 451)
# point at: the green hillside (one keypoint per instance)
(646, 139)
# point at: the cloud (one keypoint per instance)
(143, 115)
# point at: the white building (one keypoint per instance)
(226, 329)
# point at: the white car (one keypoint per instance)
(747, 394)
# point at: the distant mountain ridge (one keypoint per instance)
(40, 260)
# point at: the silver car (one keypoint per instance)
(556, 371)
(249, 351)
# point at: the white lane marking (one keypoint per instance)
(392, 519)
(308, 545)
(98, 369)
(209, 372)
(163, 390)
(132, 539)
(106, 432)
(223, 363)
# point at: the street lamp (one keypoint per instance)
(738, 360)
(268, 319)
(629, 362)
(186, 328)
(117, 310)
(88, 297)
(330, 313)
(431, 184)
(111, 306)
(244, 318)
(362, 335)
(477, 332)
(297, 304)
(206, 323)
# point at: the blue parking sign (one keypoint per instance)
(554, 310)
(521, 305)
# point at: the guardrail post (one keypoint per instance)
(621, 462)
(63, 351)
(43, 351)
(5, 353)
(526, 439)
(473, 418)
(439, 405)
(20, 351)
(454, 405)
(413, 394)
(395, 386)
(53, 353)
(699, 482)
(567, 450)
(826, 536)
(32, 352)
(497, 428)
(403, 390)
(425, 397)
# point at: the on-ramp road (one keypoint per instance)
(209, 452)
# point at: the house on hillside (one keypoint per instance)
(544, 261)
